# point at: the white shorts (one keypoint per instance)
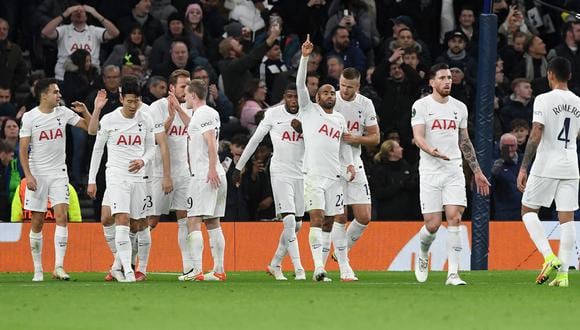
(106, 201)
(175, 200)
(541, 191)
(438, 190)
(205, 201)
(288, 195)
(129, 197)
(356, 191)
(322, 193)
(48, 188)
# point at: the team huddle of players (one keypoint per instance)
(164, 157)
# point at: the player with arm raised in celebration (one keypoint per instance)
(361, 119)
(172, 114)
(554, 174)
(440, 130)
(324, 156)
(129, 136)
(42, 153)
(208, 187)
(286, 176)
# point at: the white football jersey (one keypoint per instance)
(127, 139)
(203, 119)
(47, 132)
(556, 157)
(69, 40)
(325, 152)
(442, 123)
(288, 155)
(359, 114)
(176, 139)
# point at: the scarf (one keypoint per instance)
(530, 67)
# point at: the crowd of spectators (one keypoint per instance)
(248, 51)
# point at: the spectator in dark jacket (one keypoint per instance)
(456, 54)
(140, 16)
(569, 49)
(394, 184)
(506, 196)
(237, 197)
(352, 56)
(12, 66)
(518, 105)
(236, 66)
(175, 31)
(6, 155)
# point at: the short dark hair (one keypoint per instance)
(411, 50)
(518, 81)
(130, 85)
(155, 80)
(351, 73)
(240, 139)
(519, 123)
(42, 86)
(560, 67)
(290, 87)
(437, 67)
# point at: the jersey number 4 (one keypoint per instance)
(563, 136)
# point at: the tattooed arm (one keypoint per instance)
(469, 155)
(467, 149)
(533, 142)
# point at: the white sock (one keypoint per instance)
(315, 239)
(280, 250)
(339, 239)
(123, 244)
(134, 247)
(109, 232)
(186, 256)
(217, 243)
(36, 250)
(426, 238)
(195, 243)
(289, 235)
(326, 242)
(143, 248)
(567, 245)
(60, 243)
(298, 226)
(537, 234)
(354, 232)
(454, 249)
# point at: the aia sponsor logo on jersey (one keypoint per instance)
(129, 140)
(291, 136)
(177, 130)
(51, 134)
(331, 132)
(443, 124)
(76, 46)
(353, 127)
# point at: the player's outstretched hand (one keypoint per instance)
(349, 138)
(481, 183)
(522, 179)
(351, 173)
(79, 107)
(435, 153)
(136, 165)
(31, 183)
(307, 46)
(296, 125)
(237, 177)
(167, 185)
(92, 190)
(213, 178)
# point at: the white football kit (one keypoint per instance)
(442, 182)
(204, 200)
(177, 145)
(554, 174)
(359, 114)
(325, 152)
(47, 157)
(127, 139)
(286, 162)
(69, 40)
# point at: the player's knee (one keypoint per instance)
(432, 227)
(364, 219)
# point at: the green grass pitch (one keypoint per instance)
(380, 300)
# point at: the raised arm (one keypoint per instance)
(259, 134)
(111, 31)
(303, 96)
(81, 109)
(100, 101)
(49, 30)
